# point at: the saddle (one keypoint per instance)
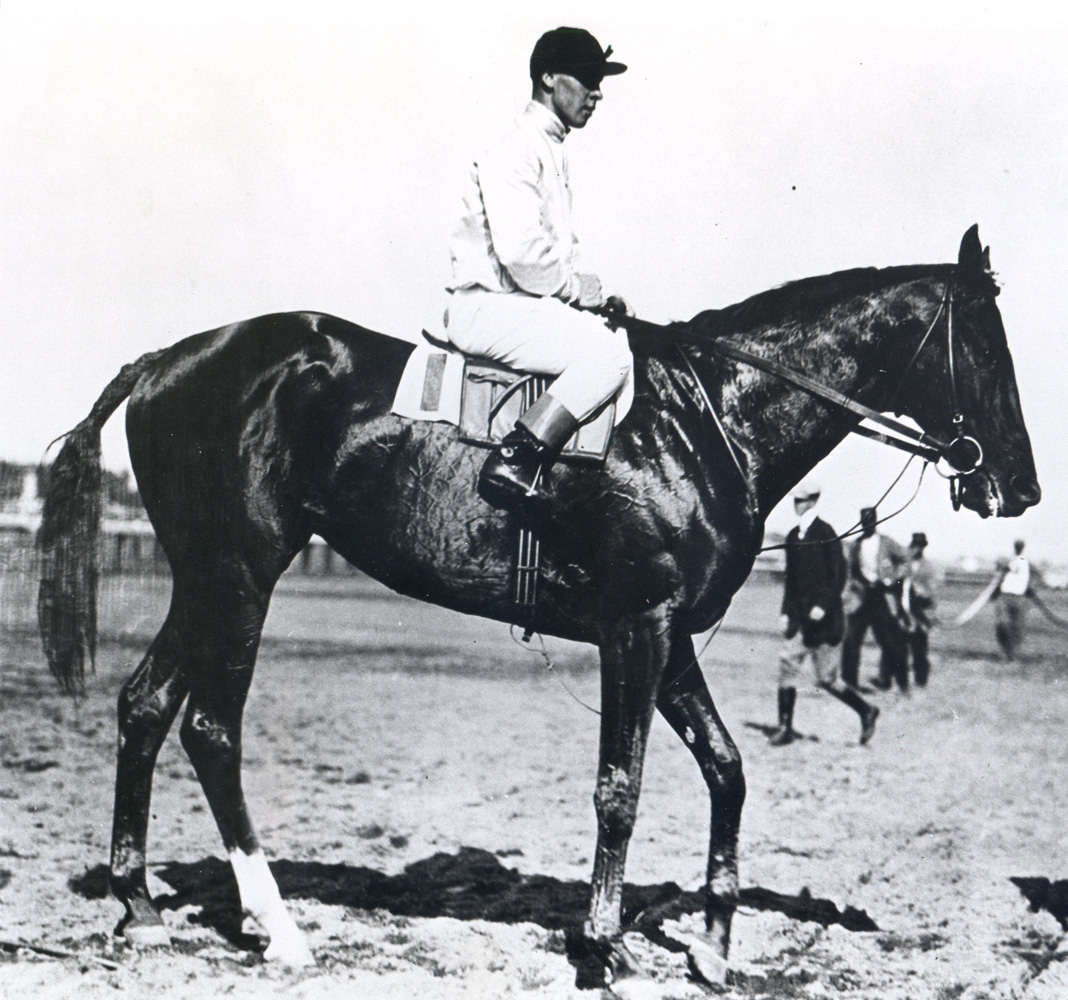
(493, 397)
(484, 399)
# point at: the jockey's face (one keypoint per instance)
(572, 100)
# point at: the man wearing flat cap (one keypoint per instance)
(812, 618)
(518, 292)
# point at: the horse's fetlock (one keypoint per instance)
(128, 883)
(722, 892)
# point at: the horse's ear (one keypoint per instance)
(972, 256)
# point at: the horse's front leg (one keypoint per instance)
(632, 662)
(686, 704)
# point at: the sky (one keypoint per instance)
(167, 173)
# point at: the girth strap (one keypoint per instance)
(528, 555)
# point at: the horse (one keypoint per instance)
(247, 440)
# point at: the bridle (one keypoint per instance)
(953, 459)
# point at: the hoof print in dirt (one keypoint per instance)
(638, 987)
(145, 935)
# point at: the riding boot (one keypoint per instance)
(868, 713)
(785, 733)
(514, 474)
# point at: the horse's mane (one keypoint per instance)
(802, 301)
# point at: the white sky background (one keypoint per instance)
(162, 175)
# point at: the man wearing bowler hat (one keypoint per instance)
(918, 603)
(518, 292)
(873, 600)
(812, 616)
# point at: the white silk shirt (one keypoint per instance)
(514, 234)
(1018, 576)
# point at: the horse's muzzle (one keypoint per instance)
(1024, 490)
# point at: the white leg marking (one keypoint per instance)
(261, 899)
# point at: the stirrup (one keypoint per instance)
(513, 485)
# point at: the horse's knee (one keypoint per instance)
(725, 776)
(616, 802)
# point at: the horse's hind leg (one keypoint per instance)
(148, 703)
(211, 734)
(686, 704)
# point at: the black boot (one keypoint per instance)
(513, 477)
(785, 733)
(868, 713)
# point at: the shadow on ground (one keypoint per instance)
(1043, 894)
(767, 730)
(469, 885)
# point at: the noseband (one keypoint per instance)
(952, 459)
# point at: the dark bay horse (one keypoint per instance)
(248, 439)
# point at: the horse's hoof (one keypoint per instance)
(707, 965)
(147, 935)
(629, 980)
(290, 950)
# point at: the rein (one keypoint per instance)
(963, 454)
(915, 442)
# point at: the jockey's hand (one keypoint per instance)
(590, 294)
(616, 305)
(817, 614)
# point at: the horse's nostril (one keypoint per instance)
(1026, 489)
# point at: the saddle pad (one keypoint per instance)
(485, 399)
(431, 386)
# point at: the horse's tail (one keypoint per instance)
(67, 539)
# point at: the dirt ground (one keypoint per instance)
(423, 786)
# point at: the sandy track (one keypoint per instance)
(381, 736)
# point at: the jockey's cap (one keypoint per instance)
(573, 51)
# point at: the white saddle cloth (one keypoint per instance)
(431, 385)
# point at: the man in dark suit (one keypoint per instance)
(812, 619)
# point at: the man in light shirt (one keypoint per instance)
(877, 565)
(812, 617)
(518, 291)
(1011, 605)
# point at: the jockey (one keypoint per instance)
(517, 294)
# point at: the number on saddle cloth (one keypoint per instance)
(494, 397)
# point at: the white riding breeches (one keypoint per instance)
(546, 336)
